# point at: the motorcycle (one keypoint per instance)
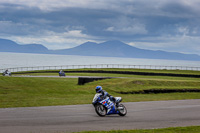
(61, 73)
(6, 73)
(104, 106)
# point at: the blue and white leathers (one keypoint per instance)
(104, 106)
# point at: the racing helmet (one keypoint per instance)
(98, 89)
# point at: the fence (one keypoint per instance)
(156, 67)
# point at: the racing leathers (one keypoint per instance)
(104, 94)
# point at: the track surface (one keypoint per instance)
(141, 115)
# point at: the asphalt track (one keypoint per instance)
(71, 118)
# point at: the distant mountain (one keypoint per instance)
(107, 49)
(120, 49)
(10, 46)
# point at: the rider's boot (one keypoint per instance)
(117, 104)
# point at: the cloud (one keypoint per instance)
(134, 29)
(52, 5)
(15, 28)
(152, 24)
(54, 40)
(183, 30)
(182, 44)
(127, 26)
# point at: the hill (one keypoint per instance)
(120, 49)
(106, 49)
(10, 46)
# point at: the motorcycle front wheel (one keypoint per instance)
(100, 110)
(122, 110)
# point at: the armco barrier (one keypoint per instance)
(155, 67)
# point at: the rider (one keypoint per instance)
(6, 72)
(99, 89)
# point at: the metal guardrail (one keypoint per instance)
(155, 67)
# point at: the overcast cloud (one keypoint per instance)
(149, 24)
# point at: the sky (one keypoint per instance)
(169, 25)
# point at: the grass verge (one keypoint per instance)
(191, 129)
(32, 91)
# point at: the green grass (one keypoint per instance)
(191, 129)
(28, 92)
(112, 75)
(130, 85)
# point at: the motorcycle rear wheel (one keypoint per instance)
(122, 112)
(100, 110)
